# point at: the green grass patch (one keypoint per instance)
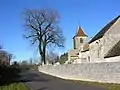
(14, 86)
(107, 86)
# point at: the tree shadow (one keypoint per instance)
(15, 75)
(32, 77)
(43, 88)
(9, 75)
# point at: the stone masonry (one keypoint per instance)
(107, 72)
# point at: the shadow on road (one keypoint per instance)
(29, 76)
(43, 88)
(11, 75)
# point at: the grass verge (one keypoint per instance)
(14, 86)
(107, 86)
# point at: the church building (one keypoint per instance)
(105, 44)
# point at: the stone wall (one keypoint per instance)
(107, 72)
(77, 41)
(73, 54)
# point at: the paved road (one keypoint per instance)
(39, 81)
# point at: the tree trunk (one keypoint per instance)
(44, 56)
(40, 52)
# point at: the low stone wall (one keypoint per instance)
(107, 72)
(113, 59)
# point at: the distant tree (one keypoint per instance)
(43, 29)
(24, 62)
(63, 58)
(5, 57)
(10, 56)
(31, 61)
(52, 57)
(0, 47)
(25, 65)
(15, 63)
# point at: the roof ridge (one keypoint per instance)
(101, 33)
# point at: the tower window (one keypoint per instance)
(81, 40)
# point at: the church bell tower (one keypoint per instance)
(79, 39)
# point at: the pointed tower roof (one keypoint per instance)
(80, 32)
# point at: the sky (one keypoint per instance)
(91, 15)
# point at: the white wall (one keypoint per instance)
(73, 54)
(96, 49)
(107, 72)
(84, 56)
(77, 41)
(113, 59)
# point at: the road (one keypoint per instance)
(39, 81)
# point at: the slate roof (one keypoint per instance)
(115, 51)
(104, 30)
(86, 47)
(80, 32)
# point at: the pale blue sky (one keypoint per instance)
(92, 15)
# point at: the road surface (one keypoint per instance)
(39, 81)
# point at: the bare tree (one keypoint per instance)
(52, 57)
(43, 29)
(0, 47)
(5, 57)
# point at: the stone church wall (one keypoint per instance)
(96, 49)
(100, 47)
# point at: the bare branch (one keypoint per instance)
(30, 36)
(42, 27)
(34, 40)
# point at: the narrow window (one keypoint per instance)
(81, 40)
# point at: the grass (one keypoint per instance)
(107, 86)
(14, 86)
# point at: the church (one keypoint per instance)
(105, 44)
